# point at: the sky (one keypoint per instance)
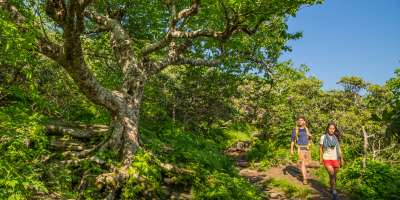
(347, 37)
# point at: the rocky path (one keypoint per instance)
(289, 173)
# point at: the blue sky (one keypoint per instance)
(348, 37)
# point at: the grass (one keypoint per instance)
(322, 175)
(237, 132)
(291, 190)
(214, 175)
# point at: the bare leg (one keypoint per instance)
(332, 177)
(303, 164)
(307, 156)
(336, 170)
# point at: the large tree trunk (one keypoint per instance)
(125, 138)
(126, 134)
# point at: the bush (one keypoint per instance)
(214, 175)
(378, 181)
(290, 189)
(145, 178)
(269, 154)
(22, 144)
(217, 185)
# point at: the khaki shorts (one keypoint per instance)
(304, 153)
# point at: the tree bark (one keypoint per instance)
(365, 135)
(125, 138)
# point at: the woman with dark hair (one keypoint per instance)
(330, 154)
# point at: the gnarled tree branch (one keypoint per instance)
(157, 45)
(192, 10)
(122, 45)
(70, 54)
(197, 62)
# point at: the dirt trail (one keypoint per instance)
(289, 173)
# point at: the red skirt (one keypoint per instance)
(333, 163)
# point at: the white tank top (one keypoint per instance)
(330, 153)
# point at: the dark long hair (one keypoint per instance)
(336, 133)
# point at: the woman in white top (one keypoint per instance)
(330, 154)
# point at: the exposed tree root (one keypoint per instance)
(76, 131)
(81, 145)
(81, 148)
(68, 145)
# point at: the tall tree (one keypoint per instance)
(352, 86)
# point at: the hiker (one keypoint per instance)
(331, 155)
(301, 138)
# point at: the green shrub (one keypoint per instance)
(378, 181)
(291, 190)
(145, 177)
(222, 186)
(214, 175)
(268, 154)
(22, 144)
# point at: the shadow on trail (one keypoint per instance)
(290, 172)
(293, 171)
(313, 183)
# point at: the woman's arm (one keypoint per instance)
(341, 156)
(321, 152)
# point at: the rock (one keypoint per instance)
(313, 164)
(167, 148)
(255, 179)
(274, 195)
(170, 181)
(181, 196)
(240, 146)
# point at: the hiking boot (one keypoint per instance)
(334, 195)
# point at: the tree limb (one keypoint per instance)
(76, 66)
(122, 45)
(175, 17)
(197, 62)
(15, 15)
(158, 66)
(192, 10)
(70, 54)
(56, 10)
(157, 45)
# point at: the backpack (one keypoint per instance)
(297, 134)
